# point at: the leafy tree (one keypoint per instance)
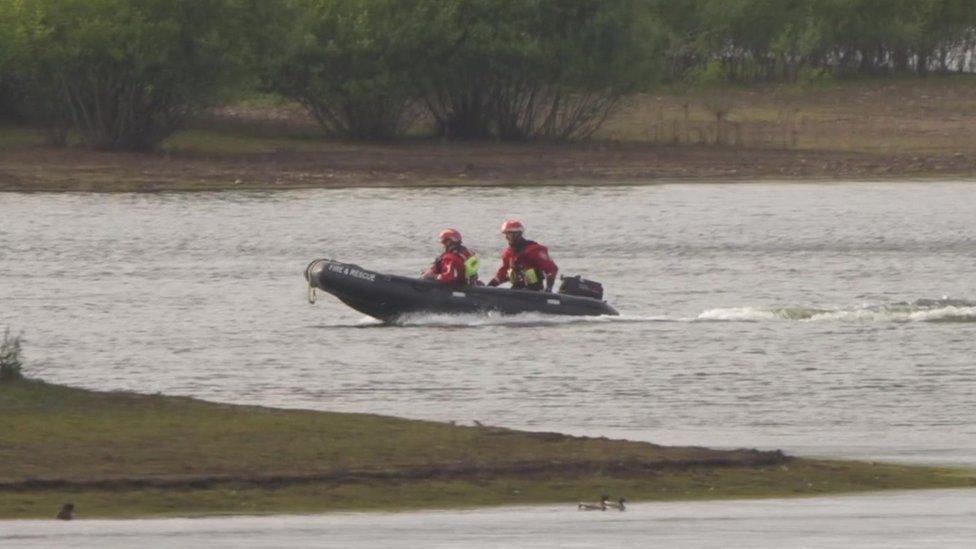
(11, 361)
(776, 39)
(536, 68)
(511, 69)
(10, 89)
(348, 62)
(127, 73)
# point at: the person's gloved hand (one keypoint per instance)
(494, 282)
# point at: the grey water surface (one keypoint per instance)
(942, 519)
(823, 319)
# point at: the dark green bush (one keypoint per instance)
(526, 69)
(773, 40)
(125, 74)
(510, 69)
(10, 88)
(349, 63)
(10, 357)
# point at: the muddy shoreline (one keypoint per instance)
(39, 168)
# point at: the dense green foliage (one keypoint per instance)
(349, 63)
(513, 69)
(9, 87)
(124, 74)
(542, 68)
(743, 40)
(11, 361)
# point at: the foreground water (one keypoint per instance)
(936, 519)
(821, 319)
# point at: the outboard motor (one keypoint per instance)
(579, 286)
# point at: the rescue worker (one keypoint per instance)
(526, 264)
(457, 265)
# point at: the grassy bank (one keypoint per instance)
(889, 116)
(120, 455)
(859, 130)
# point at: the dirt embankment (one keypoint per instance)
(849, 131)
(38, 168)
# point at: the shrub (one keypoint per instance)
(509, 69)
(10, 89)
(348, 63)
(10, 358)
(548, 68)
(127, 73)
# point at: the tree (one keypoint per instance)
(10, 88)
(535, 68)
(348, 62)
(127, 73)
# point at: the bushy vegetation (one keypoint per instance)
(748, 40)
(520, 70)
(348, 63)
(9, 87)
(124, 74)
(10, 359)
(510, 69)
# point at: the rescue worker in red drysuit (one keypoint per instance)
(457, 265)
(526, 264)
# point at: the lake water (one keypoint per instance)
(942, 519)
(823, 319)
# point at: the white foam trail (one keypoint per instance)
(884, 313)
(740, 314)
(369, 321)
(523, 319)
(943, 314)
(921, 311)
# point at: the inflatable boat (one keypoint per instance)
(388, 297)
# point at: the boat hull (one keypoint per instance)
(388, 297)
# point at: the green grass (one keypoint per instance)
(930, 115)
(216, 458)
(204, 142)
(53, 431)
(17, 136)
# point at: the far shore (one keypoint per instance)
(124, 455)
(251, 163)
(859, 130)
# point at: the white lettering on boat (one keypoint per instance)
(353, 272)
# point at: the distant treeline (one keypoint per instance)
(771, 40)
(125, 74)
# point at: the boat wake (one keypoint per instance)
(922, 310)
(519, 320)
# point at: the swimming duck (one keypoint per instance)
(619, 504)
(67, 512)
(602, 506)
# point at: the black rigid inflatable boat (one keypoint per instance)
(388, 297)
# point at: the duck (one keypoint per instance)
(620, 504)
(602, 506)
(67, 512)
